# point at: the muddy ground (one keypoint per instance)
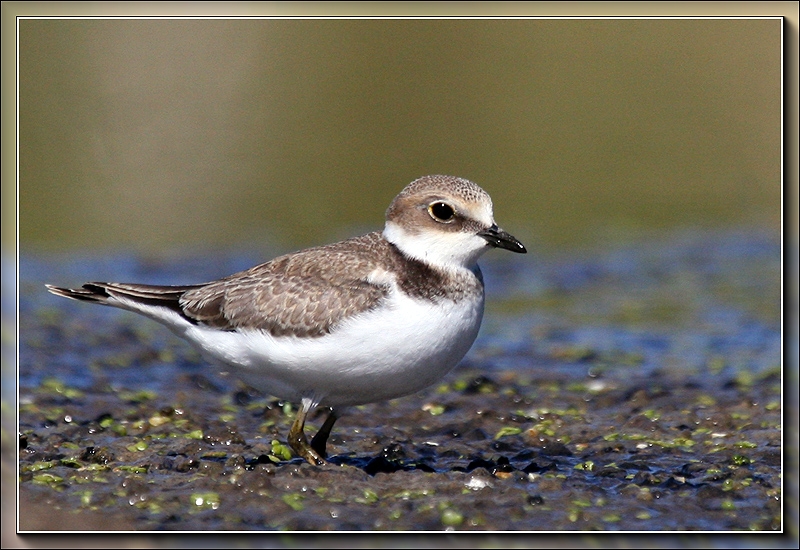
(637, 389)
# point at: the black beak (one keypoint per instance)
(500, 239)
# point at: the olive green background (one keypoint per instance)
(172, 134)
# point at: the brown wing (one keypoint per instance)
(303, 294)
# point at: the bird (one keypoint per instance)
(367, 319)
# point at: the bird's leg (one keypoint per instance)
(319, 441)
(297, 437)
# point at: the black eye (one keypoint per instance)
(441, 211)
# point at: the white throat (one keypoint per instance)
(443, 249)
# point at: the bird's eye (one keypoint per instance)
(441, 211)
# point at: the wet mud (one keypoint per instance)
(635, 390)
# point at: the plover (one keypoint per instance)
(367, 319)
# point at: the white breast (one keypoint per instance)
(399, 348)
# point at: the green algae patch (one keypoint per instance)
(506, 431)
(132, 469)
(159, 420)
(138, 396)
(138, 447)
(294, 501)
(54, 385)
(434, 409)
(369, 497)
(38, 466)
(451, 517)
(47, 478)
(279, 451)
(205, 501)
(71, 463)
(194, 434)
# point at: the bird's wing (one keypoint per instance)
(305, 293)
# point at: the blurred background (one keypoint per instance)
(165, 135)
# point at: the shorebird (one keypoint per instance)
(366, 319)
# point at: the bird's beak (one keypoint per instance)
(498, 238)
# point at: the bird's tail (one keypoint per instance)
(136, 297)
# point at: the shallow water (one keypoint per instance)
(636, 388)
